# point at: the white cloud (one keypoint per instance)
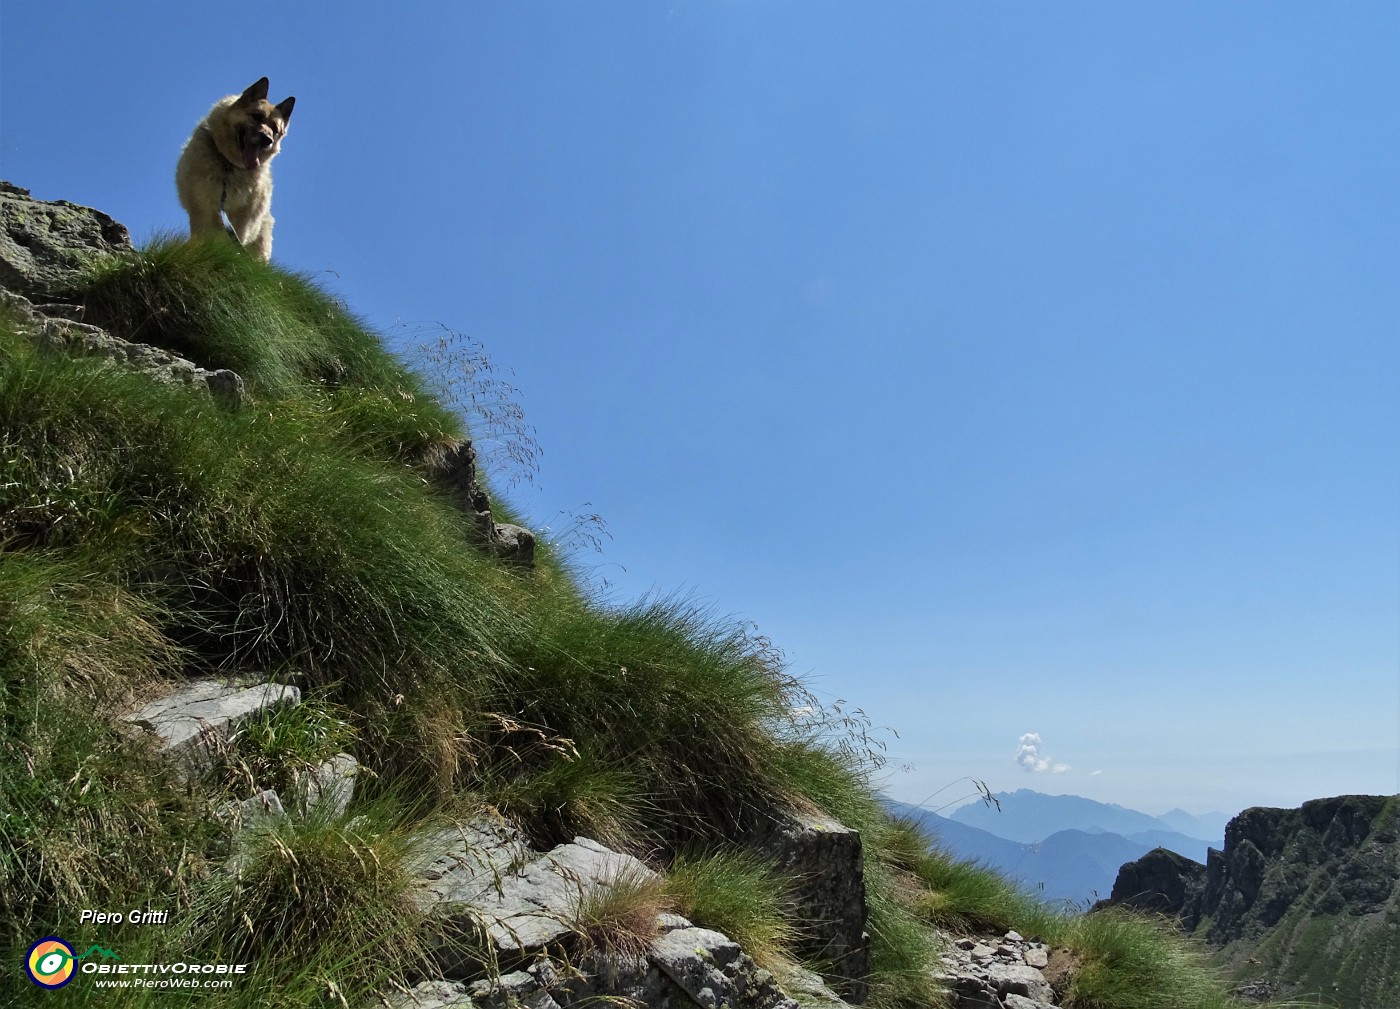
(1028, 755)
(1095, 774)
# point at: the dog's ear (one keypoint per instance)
(285, 107)
(256, 92)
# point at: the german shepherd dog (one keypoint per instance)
(224, 167)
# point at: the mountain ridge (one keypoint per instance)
(1297, 902)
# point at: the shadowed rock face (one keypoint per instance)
(1292, 890)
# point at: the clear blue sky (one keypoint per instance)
(1017, 367)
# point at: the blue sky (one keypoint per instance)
(1017, 367)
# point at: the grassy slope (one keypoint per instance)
(147, 535)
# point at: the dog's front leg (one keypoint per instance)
(205, 218)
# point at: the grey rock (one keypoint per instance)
(435, 994)
(518, 988)
(486, 880)
(1036, 957)
(807, 988)
(600, 979)
(1257, 991)
(264, 806)
(1021, 1002)
(202, 714)
(516, 543)
(329, 788)
(827, 861)
(1019, 979)
(978, 975)
(42, 243)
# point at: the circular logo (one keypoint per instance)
(50, 963)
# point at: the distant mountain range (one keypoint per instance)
(1062, 847)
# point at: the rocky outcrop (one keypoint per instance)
(42, 243)
(501, 906)
(59, 327)
(452, 470)
(1163, 882)
(1298, 899)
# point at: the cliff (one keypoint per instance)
(290, 708)
(1300, 902)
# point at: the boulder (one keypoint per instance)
(714, 972)
(328, 788)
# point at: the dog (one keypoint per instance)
(224, 167)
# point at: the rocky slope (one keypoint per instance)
(1300, 901)
(506, 913)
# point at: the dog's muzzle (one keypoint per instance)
(252, 143)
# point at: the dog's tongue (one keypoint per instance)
(250, 156)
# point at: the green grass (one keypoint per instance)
(281, 749)
(1136, 962)
(148, 534)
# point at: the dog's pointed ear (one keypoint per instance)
(257, 91)
(285, 107)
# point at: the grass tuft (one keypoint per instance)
(619, 919)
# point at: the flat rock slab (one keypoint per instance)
(192, 716)
(537, 906)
